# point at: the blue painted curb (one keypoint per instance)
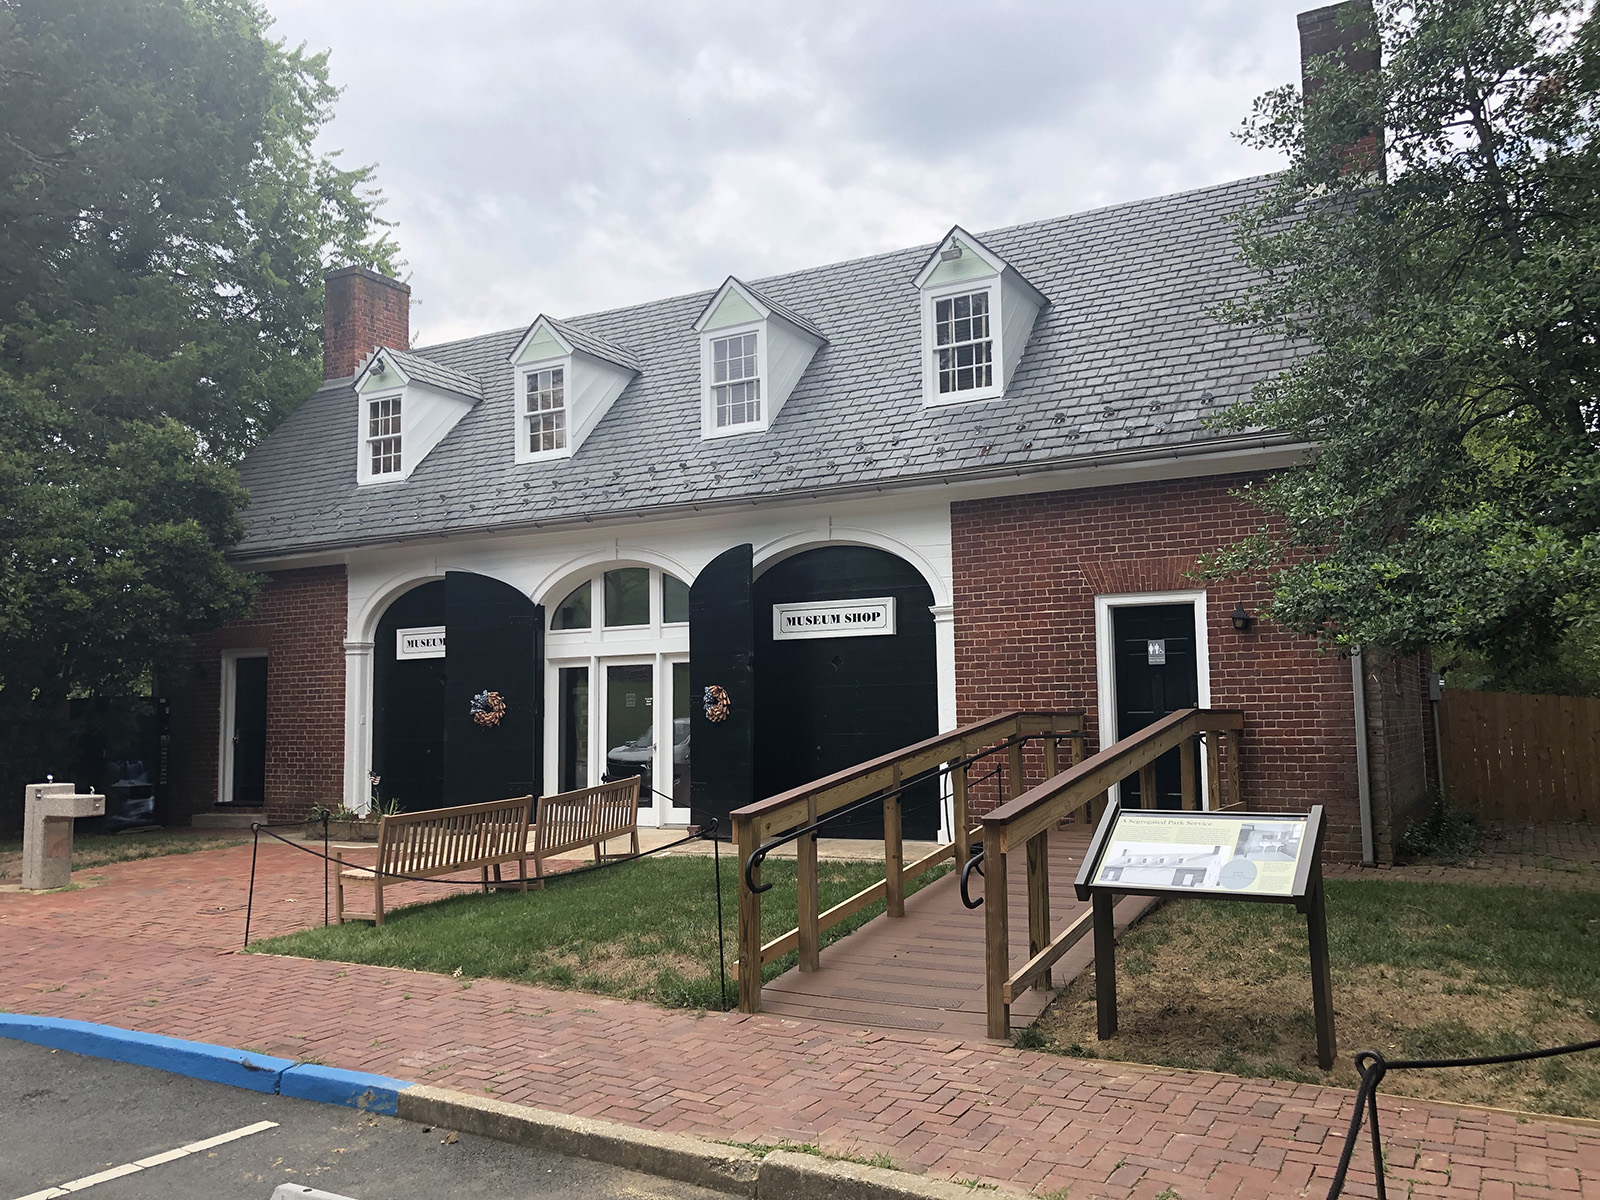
(202, 1060)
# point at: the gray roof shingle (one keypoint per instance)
(435, 374)
(1126, 361)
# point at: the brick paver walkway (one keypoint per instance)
(152, 947)
(1549, 855)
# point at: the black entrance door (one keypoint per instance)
(248, 784)
(494, 643)
(1157, 673)
(408, 706)
(828, 703)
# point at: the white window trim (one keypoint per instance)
(930, 351)
(364, 473)
(230, 676)
(1105, 664)
(520, 413)
(708, 407)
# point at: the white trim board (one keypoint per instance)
(1105, 673)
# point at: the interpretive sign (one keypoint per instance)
(1203, 852)
(1263, 857)
(423, 642)
(833, 618)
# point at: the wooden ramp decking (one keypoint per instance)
(924, 972)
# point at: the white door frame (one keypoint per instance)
(1106, 662)
(230, 679)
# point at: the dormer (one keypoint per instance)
(565, 381)
(753, 352)
(977, 314)
(407, 405)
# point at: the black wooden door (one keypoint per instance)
(722, 656)
(494, 642)
(249, 734)
(825, 704)
(408, 706)
(1157, 673)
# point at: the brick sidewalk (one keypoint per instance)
(152, 946)
(1548, 855)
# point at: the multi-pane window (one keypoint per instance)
(545, 409)
(735, 381)
(961, 335)
(383, 435)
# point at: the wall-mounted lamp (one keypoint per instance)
(377, 365)
(1241, 619)
(950, 254)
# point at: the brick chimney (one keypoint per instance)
(361, 311)
(1338, 31)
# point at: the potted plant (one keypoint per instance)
(347, 825)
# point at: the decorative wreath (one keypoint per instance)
(488, 708)
(717, 704)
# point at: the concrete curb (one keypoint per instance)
(781, 1175)
(202, 1060)
(669, 1155)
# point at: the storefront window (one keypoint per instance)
(572, 731)
(674, 600)
(630, 726)
(628, 596)
(680, 734)
(573, 612)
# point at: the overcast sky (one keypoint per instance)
(570, 157)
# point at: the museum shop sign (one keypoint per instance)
(833, 619)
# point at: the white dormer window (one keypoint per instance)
(544, 409)
(977, 316)
(408, 404)
(753, 352)
(567, 379)
(383, 435)
(736, 381)
(961, 334)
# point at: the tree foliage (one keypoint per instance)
(164, 225)
(1449, 299)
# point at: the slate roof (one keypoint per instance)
(1124, 363)
(598, 347)
(422, 369)
(784, 311)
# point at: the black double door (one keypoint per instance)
(770, 714)
(1157, 673)
(428, 750)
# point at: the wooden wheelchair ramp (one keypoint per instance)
(923, 972)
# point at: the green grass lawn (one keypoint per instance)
(100, 850)
(645, 929)
(1420, 970)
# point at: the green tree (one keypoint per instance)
(164, 226)
(1446, 288)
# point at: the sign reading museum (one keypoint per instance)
(426, 641)
(833, 618)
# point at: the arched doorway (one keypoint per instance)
(437, 648)
(829, 697)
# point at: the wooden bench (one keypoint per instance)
(443, 841)
(589, 816)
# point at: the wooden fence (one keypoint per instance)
(1512, 757)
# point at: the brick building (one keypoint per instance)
(869, 501)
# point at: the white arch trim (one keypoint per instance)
(769, 554)
(365, 627)
(569, 574)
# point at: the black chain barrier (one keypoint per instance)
(1373, 1067)
(705, 832)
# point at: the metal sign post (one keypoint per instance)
(1264, 858)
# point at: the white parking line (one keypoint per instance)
(155, 1160)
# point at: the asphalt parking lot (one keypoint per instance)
(65, 1118)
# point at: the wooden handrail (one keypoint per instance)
(1042, 806)
(884, 777)
(1024, 823)
(789, 809)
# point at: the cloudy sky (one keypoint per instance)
(569, 157)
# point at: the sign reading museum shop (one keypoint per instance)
(426, 641)
(833, 619)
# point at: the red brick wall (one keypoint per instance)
(362, 310)
(299, 620)
(1027, 570)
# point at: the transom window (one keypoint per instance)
(626, 600)
(735, 380)
(383, 434)
(545, 409)
(961, 335)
